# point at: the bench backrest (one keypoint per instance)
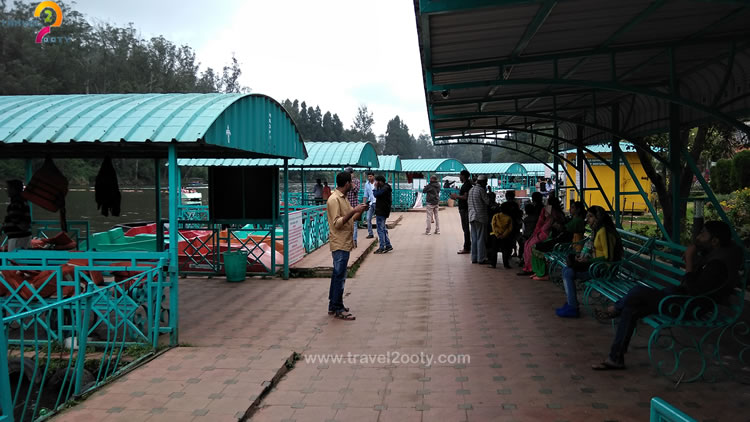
(658, 264)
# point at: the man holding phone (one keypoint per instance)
(341, 219)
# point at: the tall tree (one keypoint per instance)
(398, 141)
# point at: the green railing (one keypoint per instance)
(403, 199)
(314, 227)
(68, 330)
(193, 212)
(79, 231)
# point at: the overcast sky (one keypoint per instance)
(334, 53)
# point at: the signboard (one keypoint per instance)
(296, 242)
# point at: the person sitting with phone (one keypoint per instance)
(604, 244)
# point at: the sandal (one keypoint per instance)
(345, 309)
(346, 316)
(607, 365)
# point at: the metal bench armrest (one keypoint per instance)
(692, 308)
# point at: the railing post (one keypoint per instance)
(82, 337)
(286, 219)
(6, 395)
(174, 198)
(157, 207)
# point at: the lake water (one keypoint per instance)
(136, 205)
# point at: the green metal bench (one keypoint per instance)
(658, 264)
(661, 411)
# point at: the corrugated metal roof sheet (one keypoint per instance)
(232, 124)
(492, 66)
(432, 165)
(321, 155)
(537, 169)
(389, 163)
(496, 168)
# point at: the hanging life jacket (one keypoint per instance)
(47, 189)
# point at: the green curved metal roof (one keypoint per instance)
(537, 169)
(243, 125)
(389, 163)
(321, 155)
(432, 165)
(515, 169)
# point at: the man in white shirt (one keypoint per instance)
(370, 198)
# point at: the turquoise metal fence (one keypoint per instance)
(193, 212)
(69, 330)
(314, 227)
(661, 411)
(403, 199)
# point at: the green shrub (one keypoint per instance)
(721, 176)
(741, 170)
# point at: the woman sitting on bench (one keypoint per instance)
(604, 244)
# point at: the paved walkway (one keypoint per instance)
(421, 299)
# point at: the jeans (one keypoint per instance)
(338, 278)
(478, 233)
(370, 213)
(569, 277)
(356, 226)
(465, 226)
(383, 239)
(639, 302)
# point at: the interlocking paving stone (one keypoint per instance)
(509, 406)
(200, 412)
(115, 409)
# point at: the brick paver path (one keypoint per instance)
(421, 299)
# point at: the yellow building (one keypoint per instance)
(606, 176)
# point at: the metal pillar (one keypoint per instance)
(304, 194)
(579, 163)
(29, 173)
(174, 198)
(675, 147)
(286, 219)
(157, 207)
(616, 168)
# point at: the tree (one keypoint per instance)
(740, 173)
(361, 130)
(697, 141)
(721, 180)
(398, 141)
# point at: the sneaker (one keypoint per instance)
(463, 251)
(388, 248)
(568, 312)
(437, 232)
(379, 251)
(565, 306)
(369, 236)
(427, 233)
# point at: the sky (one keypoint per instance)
(338, 54)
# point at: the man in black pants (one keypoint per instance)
(463, 208)
(712, 266)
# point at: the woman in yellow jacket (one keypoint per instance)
(604, 244)
(501, 238)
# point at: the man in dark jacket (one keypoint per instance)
(17, 223)
(712, 268)
(463, 209)
(383, 196)
(432, 203)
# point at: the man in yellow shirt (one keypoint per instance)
(341, 218)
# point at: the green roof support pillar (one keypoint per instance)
(303, 196)
(29, 173)
(174, 198)
(616, 162)
(157, 207)
(286, 219)
(579, 164)
(675, 147)
(556, 162)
